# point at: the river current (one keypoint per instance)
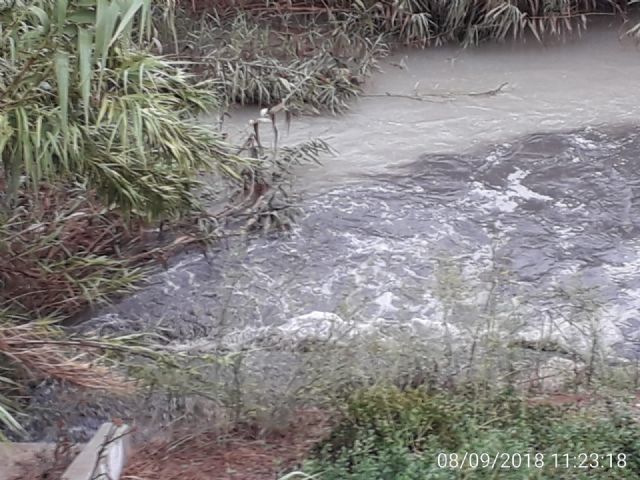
(516, 213)
(525, 203)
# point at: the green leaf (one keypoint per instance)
(9, 421)
(61, 11)
(145, 20)
(106, 18)
(83, 16)
(85, 51)
(42, 16)
(61, 67)
(127, 18)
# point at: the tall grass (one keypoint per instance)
(315, 67)
(434, 22)
(313, 55)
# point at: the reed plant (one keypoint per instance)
(82, 101)
(313, 56)
(434, 22)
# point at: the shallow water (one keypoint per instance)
(527, 201)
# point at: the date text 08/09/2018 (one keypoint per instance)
(510, 461)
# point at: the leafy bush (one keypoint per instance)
(267, 61)
(397, 435)
(97, 136)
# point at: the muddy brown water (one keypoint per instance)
(528, 200)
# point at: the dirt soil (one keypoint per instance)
(245, 454)
(45, 463)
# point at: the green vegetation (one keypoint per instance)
(81, 102)
(314, 55)
(100, 142)
(434, 22)
(386, 433)
(255, 61)
(97, 137)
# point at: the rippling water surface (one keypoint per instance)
(527, 201)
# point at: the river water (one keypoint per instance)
(516, 213)
(523, 205)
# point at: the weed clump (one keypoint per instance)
(313, 67)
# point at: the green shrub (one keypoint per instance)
(397, 435)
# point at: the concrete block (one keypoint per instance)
(104, 457)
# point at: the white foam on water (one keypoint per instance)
(490, 199)
(385, 302)
(518, 190)
(627, 271)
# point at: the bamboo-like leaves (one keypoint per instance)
(128, 9)
(106, 18)
(8, 420)
(61, 12)
(61, 66)
(85, 59)
(426, 22)
(41, 14)
(83, 102)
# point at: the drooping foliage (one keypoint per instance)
(434, 22)
(81, 99)
(93, 129)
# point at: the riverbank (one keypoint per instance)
(545, 92)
